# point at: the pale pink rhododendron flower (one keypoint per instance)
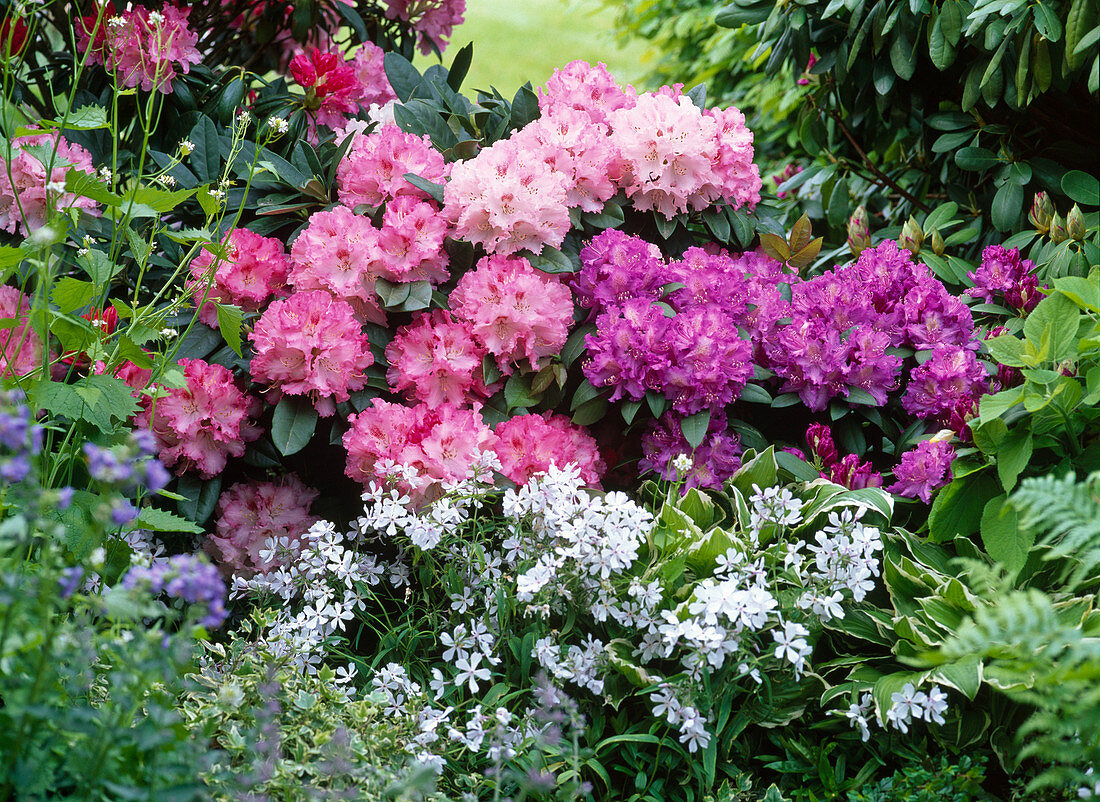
(251, 514)
(20, 345)
(529, 444)
(335, 253)
(198, 427)
(506, 201)
(311, 345)
(27, 192)
(580, 86)
(370, 71)
(254, 269)
(571, 143)
(516, 311)
(441, 442)
(432, 20)
(375, 166)
(143, 48)
(436, 360)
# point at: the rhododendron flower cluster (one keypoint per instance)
(249, 514)
(143, 48)
(440, 442)
(583, 87)
(28, 193)
(529, 444)
(254, 269)
(515, 311)
(432, 20)
(312, 345)
(331, 83)
(375, 166)
(708, 465)
(951, 378)
(689, 357)
(1004, 273)
(923, 470)
(20, 345)
(199, 426)
(436, 360)
(409, 245)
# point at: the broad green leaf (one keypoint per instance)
(1082, 187)
(230, 319)
(293, 424)
(957, 510)
(1013, 455)
(163, 521)
(695, 426)
(1007, 203)
(70, 294)
(977, 159)
(199, 497)
(1004, 541)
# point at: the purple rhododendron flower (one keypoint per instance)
(1002, 272)
(936, 388)
(924, 469)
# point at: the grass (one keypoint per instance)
(516, 41)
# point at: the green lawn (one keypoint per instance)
(524, 40)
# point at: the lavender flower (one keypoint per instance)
(186, 577)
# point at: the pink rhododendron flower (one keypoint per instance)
(143, 48)
(570, 143)
(713, 461)
(507, 201)
(370, 72)
(375, 166)
(20, 345)
(734, 178)
(432, 20)
(924, 469)
(441, 442)
(251, 514)
(1004, 273)
(529, 444)
(255, 268)
(951, 376)
(336, 252)
(436, 360)
(199, 426)
(516, 312)
(409, 245)
(28, 193)
(311, 344)
(578, 85)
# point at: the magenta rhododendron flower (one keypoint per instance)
(436, 360)
(1004, 273)
(28, 193)
(441, 442)
(853, 474)
(529, 444)
(312, 345)
(923, 469)
(20, 345)
(251, 514)
(713, 461)
(516, 312)
(433, 20)
(951, 376)
(375, 166)
(254, 269)
(617, 267)
(141, 47)
(198, 427)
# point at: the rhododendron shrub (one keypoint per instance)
(251, 514)
(198, 427)
(28, 191)
(254, 269)
(311, 345)
(436, 360)
(142, 48)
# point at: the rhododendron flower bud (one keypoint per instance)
(819, 438)
(1058, 229)
(1075, 224)
(311, 344)
(859, 232)
(935, 241)
(912, 237)
(250, 515)
(1042, 210)
(202, 424)
(13, 35)
(529, 444)
(853, 474)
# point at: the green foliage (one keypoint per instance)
(945, 782)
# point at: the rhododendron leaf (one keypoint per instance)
(805, 256)
(404, 78)
(392, 294)
(420, 296)
(801, 234)
(584, 393)
(293, 424)
(459, 66)
(1082, 187)
(629, 410)
(657, 402)
(785, 400)
(590, 412)
(542, 380)
(518, 393)
(666, 226)
(977, 159)
(718, 223)
(694, 427)
(525, 107)
(799, 469)
(1007, 204)
(775, 247)
(857, 395)
(611, 216)
(430, 188)
(755, 394)
(551, 260)
(230, 319)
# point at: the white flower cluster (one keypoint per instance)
(907, 706)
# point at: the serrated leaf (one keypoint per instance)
(159, 520)
(230, 320)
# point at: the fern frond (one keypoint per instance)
(1067, 513)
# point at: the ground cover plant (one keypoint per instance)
(367, 437)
